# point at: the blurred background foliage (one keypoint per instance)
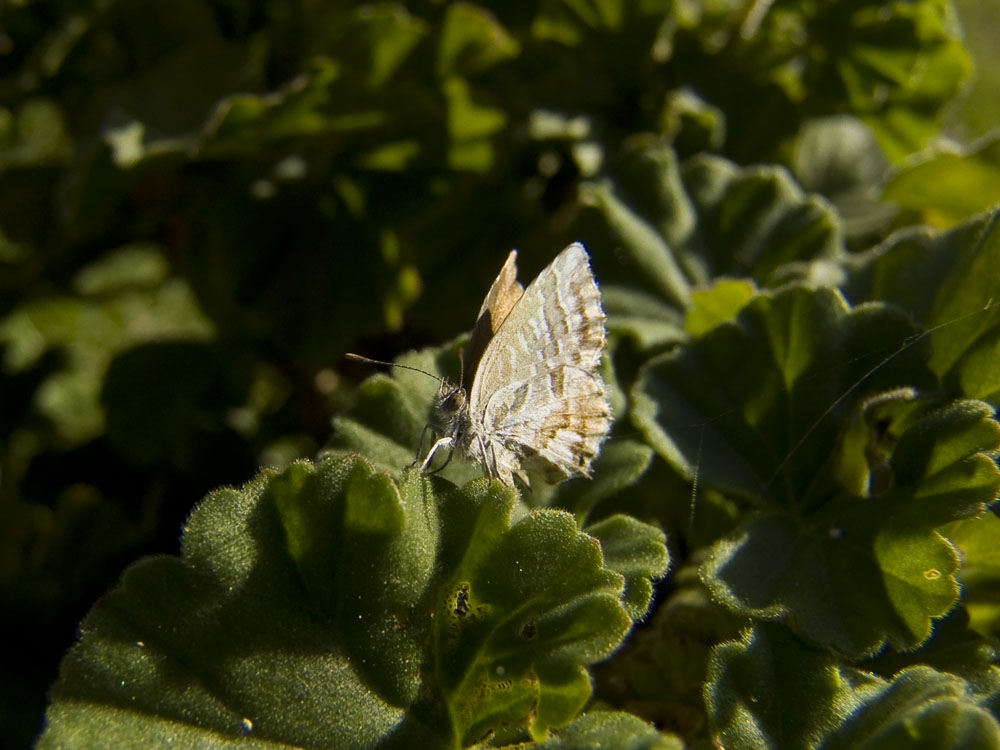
(205, 203)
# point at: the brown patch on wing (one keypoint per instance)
(503, 295)
(569, 438)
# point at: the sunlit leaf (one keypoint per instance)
(949, 187)
(419, 612)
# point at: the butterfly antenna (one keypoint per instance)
(369, 361)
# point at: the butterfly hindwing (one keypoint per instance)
(562, 432)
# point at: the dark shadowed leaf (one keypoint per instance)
(847, 475)
(948, 283)
(125, 300)
(677, 226)
(757, 699)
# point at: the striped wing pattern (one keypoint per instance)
(537, 399)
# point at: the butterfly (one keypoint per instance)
(531, 396)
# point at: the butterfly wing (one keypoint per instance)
(537, 394)
(501, 298)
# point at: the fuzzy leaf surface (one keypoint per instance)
(327, 605)
(770, 690)
(596, 730)
(977, 540)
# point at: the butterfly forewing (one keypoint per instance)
(503, 294)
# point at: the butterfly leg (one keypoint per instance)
(435, 430)
(420, 445)
(489, 455)
(445, 442)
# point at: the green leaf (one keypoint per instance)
(753, 220)
(893, 64)
(326, 605)
(384, 35)
(679, 226)
(886, 557)
(620, 464)
(899, 64)
(720, 304)
(949, 186)
(955, 648)
(179, 52)
(694, 124)
(116, 312)
(637, 551)
(472, 40)
(130, 267)
(472, 126)
(644, 318)
(302, 107)
(596, 730)
(660, 672)
(921, 708)
(977, 112)
(947, 282)
(35, 134)
(506, 647)
(568, 21)
(840, 158)
(197, 650)
(976, 540)
(650, 256)
(736, 431)
(778, 436)
(770, 690)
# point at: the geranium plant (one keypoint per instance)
(790, 536)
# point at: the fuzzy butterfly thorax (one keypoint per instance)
(531, 396)
(452, 411)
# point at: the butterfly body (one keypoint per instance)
(531, 395)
